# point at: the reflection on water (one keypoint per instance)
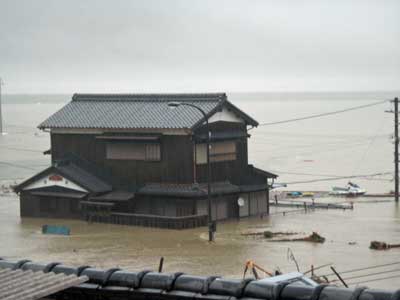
(135, 248)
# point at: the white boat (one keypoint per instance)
(352, 189)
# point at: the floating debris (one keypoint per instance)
(55, 229)
(314, 238)
(376, 245)
(271, 234)
(268, 234)
(5, 189)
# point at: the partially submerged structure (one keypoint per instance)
(129, 158)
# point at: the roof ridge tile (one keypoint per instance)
(150, 97)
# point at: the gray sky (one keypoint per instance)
(49, 46)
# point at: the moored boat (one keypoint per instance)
(351, 190)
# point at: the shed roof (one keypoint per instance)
(133, 111)
(75, 174)
(114, 196)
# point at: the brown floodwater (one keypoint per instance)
(348, 144)
(137, 248)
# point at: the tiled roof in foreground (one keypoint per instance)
(31, 285)
(127, 111)
(118, 284)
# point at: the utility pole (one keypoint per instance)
(396, 149)
(1, 118)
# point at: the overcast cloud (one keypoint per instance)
(199, 45)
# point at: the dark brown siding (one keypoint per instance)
(226, 170)
(29, 205)
(163, 206)
(175, 165)
(48, 207)
(222, 207)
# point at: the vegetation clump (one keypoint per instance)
(268, 234)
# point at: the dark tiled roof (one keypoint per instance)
(247, 188)
(83, 178)
(74, 173)
(125, 111)
(114, 196)
(262, 172)
(59, 194)
(188, 190)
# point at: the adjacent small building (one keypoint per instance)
(131, 159)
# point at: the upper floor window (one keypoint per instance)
(219, 151)
(133, 151)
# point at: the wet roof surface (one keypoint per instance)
(21, 285)
(125, 111)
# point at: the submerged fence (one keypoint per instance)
(184, 222)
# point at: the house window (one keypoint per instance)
(133, 151)
(220, 151)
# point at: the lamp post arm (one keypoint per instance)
(210, 221)
(196, 107)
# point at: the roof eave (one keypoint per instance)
(249, 120)
(18, 188)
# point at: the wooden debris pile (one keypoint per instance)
(314, 237)
(376, 245)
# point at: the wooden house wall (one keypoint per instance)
(258, 203)
(176, 163)
(226, 170)
(37, 206)
(201, 207)
(163, 206)
(244, 210)
(255, 203)
(222, 207)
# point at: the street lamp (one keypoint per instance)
(210, 222)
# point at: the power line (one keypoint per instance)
(371, 142)
(20, 126)
(17, 166)
(373, 280)
(342, 177)
(21, 149)
(366, 268)
(322, 135)
(306, 174)
(324, 114)
(11, 179)
(372, 274)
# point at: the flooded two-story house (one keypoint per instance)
(131, 159)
